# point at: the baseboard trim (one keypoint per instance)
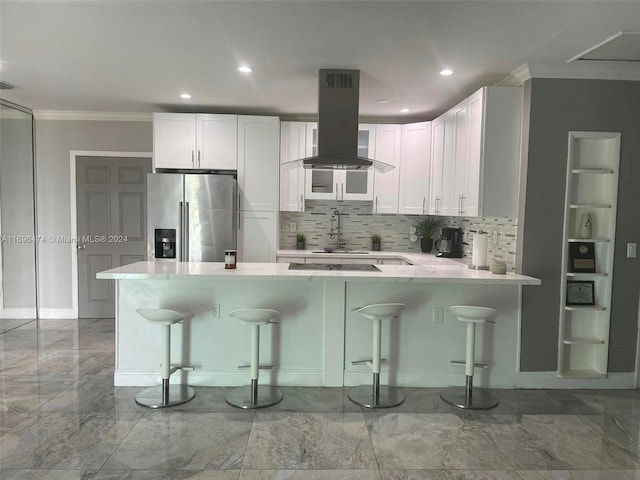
(57, 313)
(18, 313)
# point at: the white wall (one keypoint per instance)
(55, 139)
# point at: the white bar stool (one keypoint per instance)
(250, 396)
(165, 395)
(376, 396)
(467, 397)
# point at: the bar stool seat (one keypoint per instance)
(468, 397)
(251, 396)
(375, 396)
(165, 395)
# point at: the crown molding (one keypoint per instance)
(582, 69)
(93, 116)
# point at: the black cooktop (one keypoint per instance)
(331, 266)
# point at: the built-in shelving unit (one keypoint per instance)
(592, 187)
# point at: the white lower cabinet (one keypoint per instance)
(257, 236)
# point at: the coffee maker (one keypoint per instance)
(450, 243)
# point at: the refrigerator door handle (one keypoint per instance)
(180, 239)
(186, 232)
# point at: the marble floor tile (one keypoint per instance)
(622, 430)
(168, 440)
(63, 362)
(431, 441)
(28, 393)
(309, 475)
(29, 474)
(7, 324)
(449, 475)
(579, 474)
(167, 475)
(315, 399)
(298, 441)
(208, 399)
(553, 442)
(537, 402)
(8, 420)
(94, 393)
(9, 357)
(64, 440)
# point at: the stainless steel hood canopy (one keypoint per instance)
(338, 101)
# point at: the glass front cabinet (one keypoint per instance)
(341, 184)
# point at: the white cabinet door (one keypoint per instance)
(437, 163)
(258, 162)
(385, 191)
(257, 236)
(174, 140)
(460, 156)
(292, 147)
(471, 201)
(415, 165)
(319, 184)
(217, 142)
(449, 204)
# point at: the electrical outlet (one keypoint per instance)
(215, 310)
(632, 250)
(293, 227)
(494, 236)
(438, 315)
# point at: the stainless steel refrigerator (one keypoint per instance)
(190, 217)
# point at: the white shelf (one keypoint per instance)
(594, 171)
(591, 186)
(589, 205)
(583, 341)
(595, 308)
(586, 275)
(594, 240)
(582, 374)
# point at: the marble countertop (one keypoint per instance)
(449, 271)
(421, 259)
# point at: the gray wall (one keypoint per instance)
(556, 107)
(55, 139)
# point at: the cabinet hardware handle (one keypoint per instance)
(238, 201)
(424, 200)
(337, 195)
(193, 162)
(301, 203)
(437, 205)
(238, 219)
(342, 191)
(198, 158)
(376, 207)
(462, 197)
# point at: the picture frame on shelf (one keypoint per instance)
(581, 293)
(582, 257)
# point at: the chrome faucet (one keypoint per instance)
(336, 230)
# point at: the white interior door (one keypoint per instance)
(111, 218)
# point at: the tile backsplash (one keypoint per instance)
(358, 224)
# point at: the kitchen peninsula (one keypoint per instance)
(319, 335)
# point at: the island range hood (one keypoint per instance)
(338, 102)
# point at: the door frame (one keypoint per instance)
(73, 154)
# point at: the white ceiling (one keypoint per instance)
(138, 56)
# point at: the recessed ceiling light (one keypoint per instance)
(382, 100)
(186, 96)
(446, 72)
(245, 69)
(405, 110)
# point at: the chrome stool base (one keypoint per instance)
(176, 395)
(387, 397)
(479, 400)
(246, 397)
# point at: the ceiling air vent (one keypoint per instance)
(6, 86)
(339, 80)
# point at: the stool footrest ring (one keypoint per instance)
(462, 362)
(261, 367)
(369, 361)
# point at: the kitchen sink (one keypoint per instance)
(359, 252)
(331, 266)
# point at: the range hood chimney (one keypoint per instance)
(338, 103)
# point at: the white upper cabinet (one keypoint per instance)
(415, 166)
(476, 155)
(292, 147)
(195, 141)
(258, 163)
(385, 190)
(341, 184)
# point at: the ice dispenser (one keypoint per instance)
(165, 240)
